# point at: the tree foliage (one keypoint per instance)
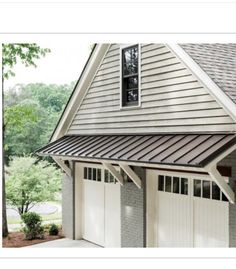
(29, 182)
(24, 53)
(31, 114)
(11, 54)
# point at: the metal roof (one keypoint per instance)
(177, 149)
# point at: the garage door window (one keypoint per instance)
(173, 184)
(208, 189)
(109, 178)
(92, 174)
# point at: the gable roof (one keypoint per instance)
(92, 65)
(218, 61)
(73, 91)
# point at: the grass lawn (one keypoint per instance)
(54, 216)
(45, 217)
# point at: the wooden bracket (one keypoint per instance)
(133, 176)
(225, 188)
(114, 172)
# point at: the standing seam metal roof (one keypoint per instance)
(174, 149)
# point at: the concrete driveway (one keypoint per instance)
(65, 243)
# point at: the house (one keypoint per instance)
(147, 142)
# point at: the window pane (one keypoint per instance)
(161, 183)
(98, 174)
(206, 189)
(85, 173)
(111, 178)
(168, 184)
(175, 185)
(197, 187)
(131, 82)
(94, 174)
(131, 96)
(130, 60)
(224, 198)
(184, 186)
(106, 176)
(215, 191)
(89, 173)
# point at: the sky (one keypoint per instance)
(62, 65)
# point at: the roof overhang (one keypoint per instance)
(188, 154)
(188, 150)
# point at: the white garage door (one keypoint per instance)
(101, 207)
(190, 213)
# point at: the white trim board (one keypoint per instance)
(80, 90)
(210, 85)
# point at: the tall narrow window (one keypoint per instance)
(130, 79)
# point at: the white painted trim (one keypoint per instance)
(64, 167)
(81, 90)
(135, 178)
(161, 166)
(114, 172)
(187, 175)
(151, 208)
(228, 105)
(123, 46)
(220, 157)
(225, 188)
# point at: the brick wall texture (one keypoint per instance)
(67, 206)
(132, 213)
(230, 160)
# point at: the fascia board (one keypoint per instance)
(80, 91)
(213, 89)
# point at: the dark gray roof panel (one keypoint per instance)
(176, 149)
(218, 61)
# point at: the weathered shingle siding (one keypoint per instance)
(231, 161)
(171, 99)
(218, 61)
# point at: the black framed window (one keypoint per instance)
(208, 189)
(130, 78)
(173, 184)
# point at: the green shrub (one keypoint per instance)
(53, 230)
(33, 228)
(46, 227)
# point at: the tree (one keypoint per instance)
(24, 53)
(30, 181)
(47, 103)
(11, 54)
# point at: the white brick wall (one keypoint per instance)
(132, 211)
(67, 206)
(230, 160)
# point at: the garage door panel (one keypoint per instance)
(93, 228)
(112, 215)
(174, 225)
(198, 217)
(210, 223)
(101, 207)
